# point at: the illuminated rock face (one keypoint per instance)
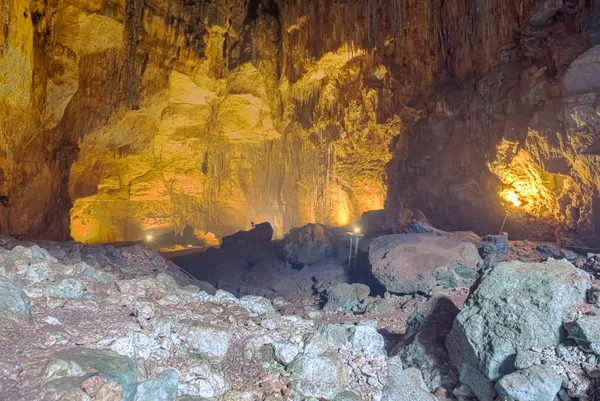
(127, 117)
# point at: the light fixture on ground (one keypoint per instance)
(148, 239)
(355, 237)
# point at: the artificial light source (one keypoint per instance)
(513, 198)
(357, 230)
(148, 237)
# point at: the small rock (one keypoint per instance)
(563, 353)
(162, 387)
(285, 352)
(257, 306)
(365, 337)
(585, 330)
(348, 396)
(536, 383)
(13, 300)
(209, 341)
(68, 288)
(110, 391)
(343, 297)
(318, 376)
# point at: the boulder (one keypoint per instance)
(411, 263)
(309, 244)
(536, 383)
(515, 307)
(262, 232)
(13, 300)
(424, 344)
(586, 331)
(343, 296)
(582, 74)
(394, 221)
(405, 384)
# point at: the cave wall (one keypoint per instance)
(121, 118)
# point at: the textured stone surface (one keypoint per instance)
(286, 112)
(142, 330)
(309, 244)
(405, 384)
(537, 383)
(13, 300)
(582, 74)
(162, 387)
(257, 306)
(113, 366)
(516, 307)
(410, 263)
(586, 331)
(209, 341)
(318, 376)
(343, 297)
(423, 346)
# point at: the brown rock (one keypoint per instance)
(309, 244)
(411, 263)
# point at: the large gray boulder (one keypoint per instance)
(309, 244)
(411, 263)
(13, 300)
(536, 383)
(582, 75)
(516, 306)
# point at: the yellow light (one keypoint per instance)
(149, 237)
(512, 197)
(357, 230)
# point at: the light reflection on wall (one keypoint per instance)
(526, 185)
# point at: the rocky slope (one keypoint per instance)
(124, 118)
(105, 324)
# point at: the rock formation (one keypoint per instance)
(123, 118)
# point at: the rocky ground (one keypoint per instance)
(460, 318)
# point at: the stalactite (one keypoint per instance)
(5, 17)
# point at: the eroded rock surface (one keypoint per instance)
(411, 263)
(125, 118)
(515, 307)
